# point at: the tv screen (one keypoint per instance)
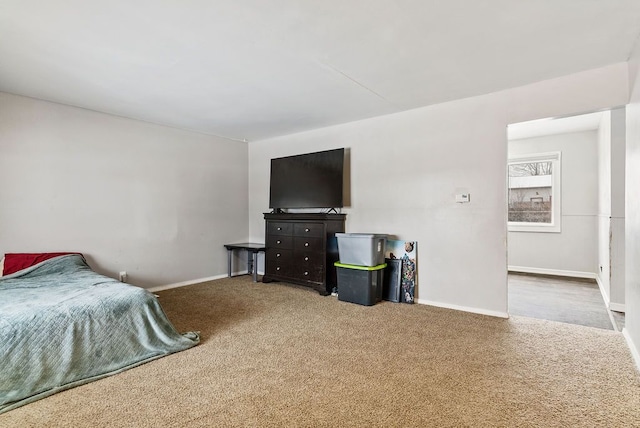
(312, 180)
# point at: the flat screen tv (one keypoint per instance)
(311, 180)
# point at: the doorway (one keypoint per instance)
(564, 237)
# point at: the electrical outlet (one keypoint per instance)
(123, 276)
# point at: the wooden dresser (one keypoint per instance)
(301, 249)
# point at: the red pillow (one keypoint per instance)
(13, 262)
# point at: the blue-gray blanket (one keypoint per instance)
(63, 325)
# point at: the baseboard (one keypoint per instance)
(635, 354)
(602, 292)
(182, 284)
(463, 308)
(554, 272)
(618, 307)
(196, 281)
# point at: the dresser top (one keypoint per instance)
(304, 216)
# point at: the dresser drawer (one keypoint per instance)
(276, 228)
(308, 244)
(279, 262)
(275, 269)
(309, 229)
(279, 255)
(312, 273)
(279, 241)
(308, 258)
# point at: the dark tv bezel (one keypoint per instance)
(337, 192)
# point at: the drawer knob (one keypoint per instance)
(306, 273)
(278, 241)
(278, 255)
(307, 229)
(306, 258)
(278, 268)
(279, 228)
(306, 244)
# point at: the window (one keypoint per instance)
(534, 193)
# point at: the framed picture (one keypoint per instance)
(407, 252)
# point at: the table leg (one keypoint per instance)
(229, 254)
(255, 266)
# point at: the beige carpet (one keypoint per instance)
(277, 355)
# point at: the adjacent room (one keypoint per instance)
(158, 271)
(566, 219)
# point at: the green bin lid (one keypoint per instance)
(343, 265)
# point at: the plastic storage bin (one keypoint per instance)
(361, 249)
(360, 284)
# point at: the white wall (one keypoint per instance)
(154, 201)
(604, 205)
(611, 201)
(632, 212)
(618, 185)
(574, 250)
(406, 169)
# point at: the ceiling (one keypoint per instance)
(254, 69)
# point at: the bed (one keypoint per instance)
(63, 325)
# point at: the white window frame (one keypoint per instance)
(556, 207)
